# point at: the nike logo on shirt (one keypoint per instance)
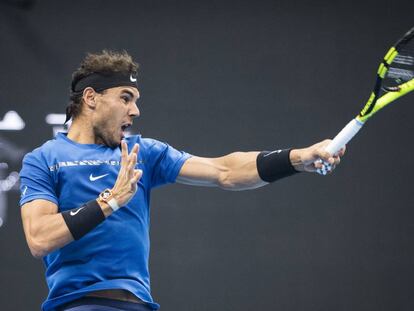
(73, 213)
(94, 178)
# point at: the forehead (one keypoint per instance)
(123, 89)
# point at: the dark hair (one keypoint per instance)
(105, 62)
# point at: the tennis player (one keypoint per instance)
(85, 194)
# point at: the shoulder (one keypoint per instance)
(41, 153)
(146, 144)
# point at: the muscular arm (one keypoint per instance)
(235, 171)
(45, 228)
(238, 170)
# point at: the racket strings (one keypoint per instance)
(401, 69)
(404, 60)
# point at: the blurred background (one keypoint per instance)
(216, 77)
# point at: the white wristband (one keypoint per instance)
(113, 204)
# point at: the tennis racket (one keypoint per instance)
(395, 78)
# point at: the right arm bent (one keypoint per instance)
(46, 230)
(44, 227)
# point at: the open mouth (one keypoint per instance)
(124, 129)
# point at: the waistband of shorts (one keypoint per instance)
(124, 305)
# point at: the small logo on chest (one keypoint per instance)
(95, 178)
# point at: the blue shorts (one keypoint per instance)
(103, 304)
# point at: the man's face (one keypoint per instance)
(115, 109)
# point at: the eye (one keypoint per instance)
(126, 98)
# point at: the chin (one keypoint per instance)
(112, 142)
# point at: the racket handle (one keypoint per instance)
(340, 140)
(344, 136)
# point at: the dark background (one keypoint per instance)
(221, 76)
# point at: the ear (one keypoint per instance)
(88, 97)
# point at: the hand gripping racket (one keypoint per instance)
(395, 78)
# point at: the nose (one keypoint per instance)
(134, 111)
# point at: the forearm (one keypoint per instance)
(235, 171)
(253, 169)
(240, 172)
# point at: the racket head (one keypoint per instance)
(401, 67)
(395, 76)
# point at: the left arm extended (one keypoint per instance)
(235, 171)
(238, 170)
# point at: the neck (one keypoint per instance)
(81, 131)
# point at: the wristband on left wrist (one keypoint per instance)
(274, 165)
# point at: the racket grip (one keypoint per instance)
(340, 140)
(344, 136)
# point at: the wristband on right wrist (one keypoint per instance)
(274, 165)
(83, 219)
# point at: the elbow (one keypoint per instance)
(38, 251)
(238, 182)
(38, 247)
(237, 172)
(225, 181)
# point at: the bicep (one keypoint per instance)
(32, 212)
